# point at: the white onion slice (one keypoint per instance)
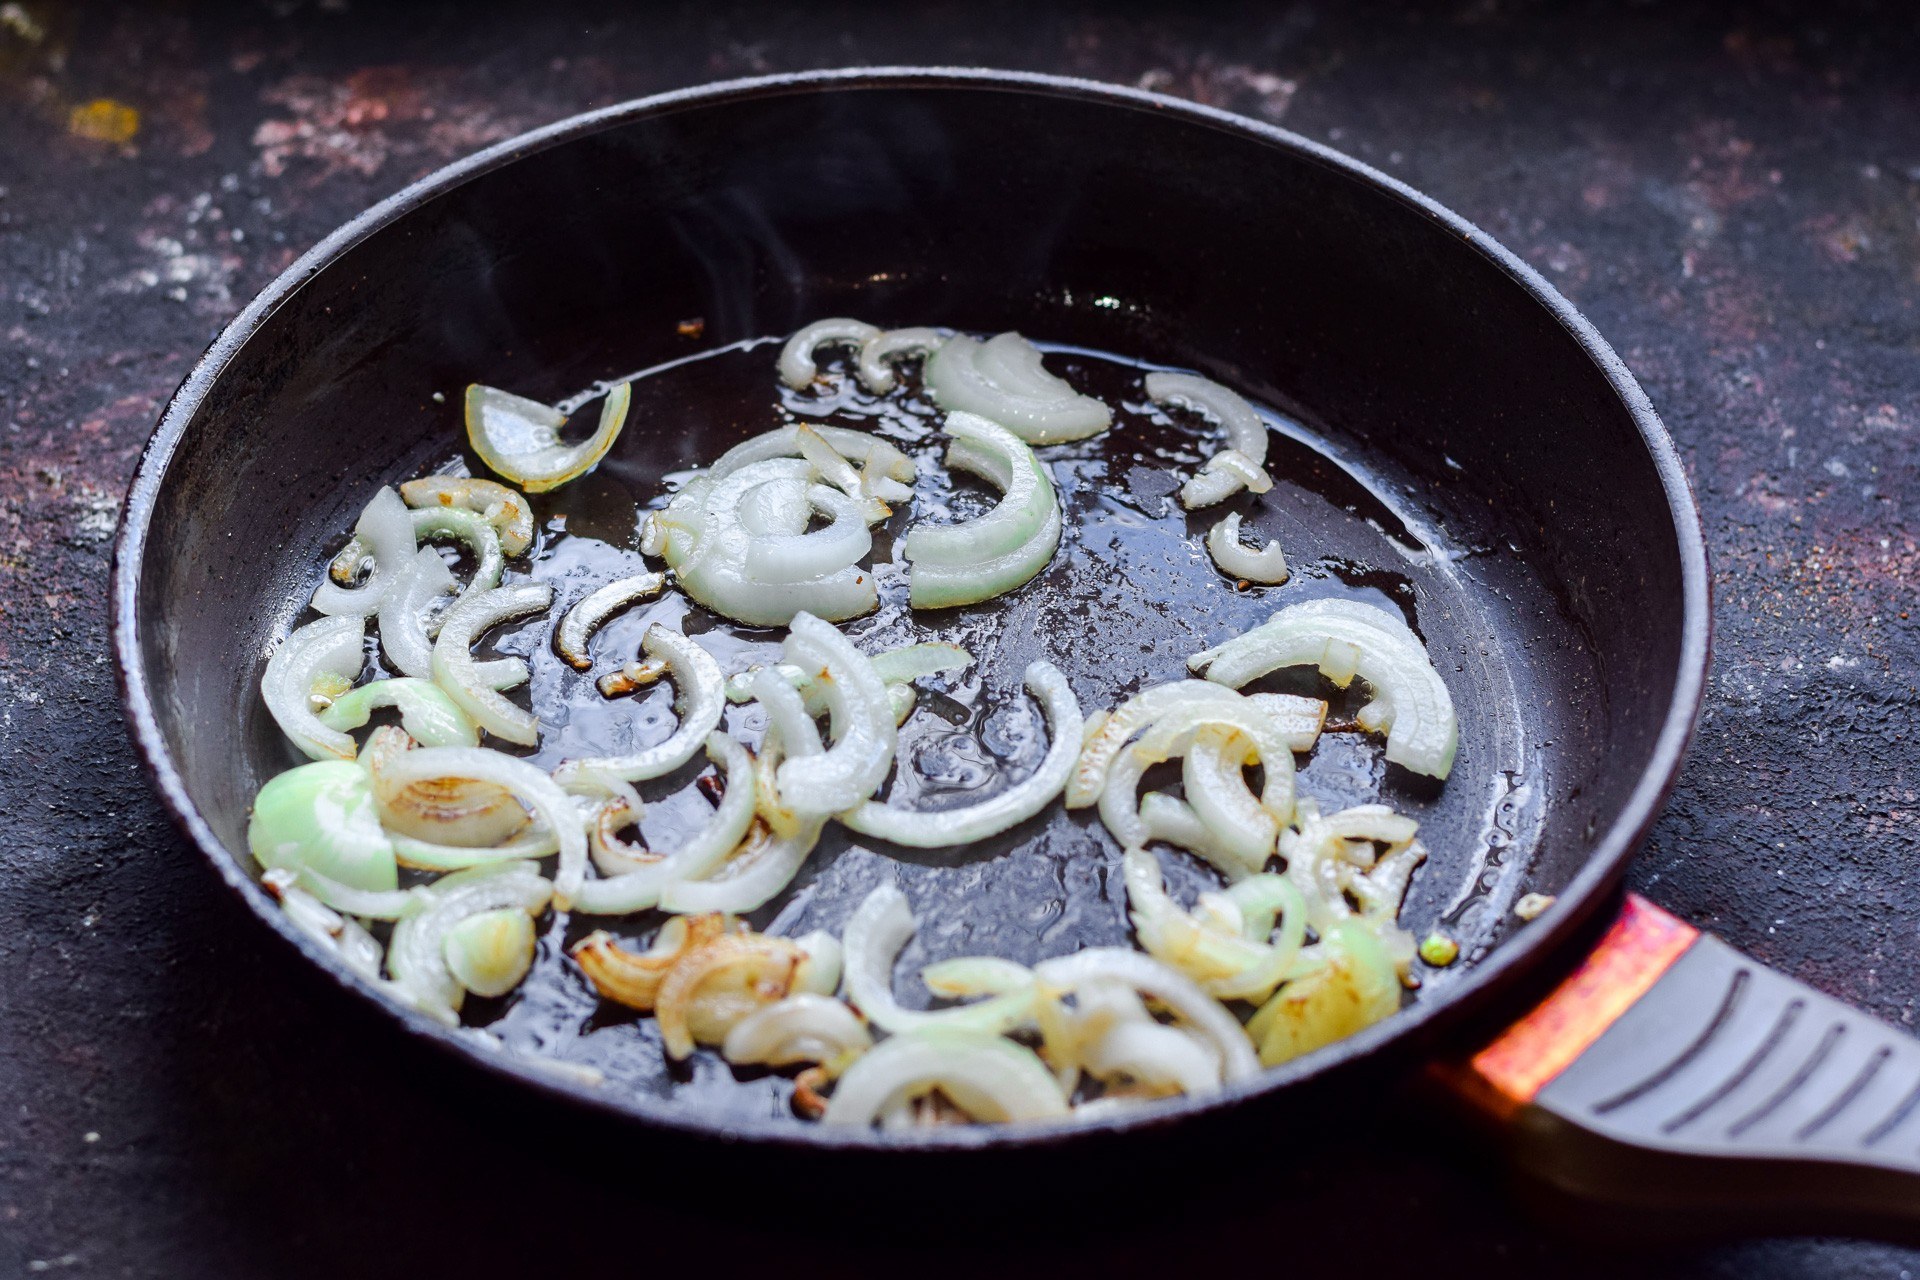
(700, 699)
(862, 720)
(788, 714)
(797, 366)
(455, 670)
(1345, 638)
(801, 1028)
(1154, 1056)
(507, 510)
(520, 438)
(878, 353)
(1162, 984)
(1213, 777)
(869, 490)
(965, 976)
(1297, 720)
(1172, 820)
(874, 935)
(403, 613)
(988, 1077)
(530, 785)
(641, 888)
(802, 556)
(327, 650)
(592, 611)
(1335, 857)
(385, 528)
(491, 952)
(319, 821)
(778, 508)
(763, 866)
(1238, 466)
(876, 456)
(430, 855)
(473, 529)
(1237, 560)
(344, 936)
(932, 829)
(417, 956)
(1000, 457)
(1004, 380)
(426, 712)
(1230, 963)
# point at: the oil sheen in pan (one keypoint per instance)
(1130, 595)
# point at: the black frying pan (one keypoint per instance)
(1452, 399)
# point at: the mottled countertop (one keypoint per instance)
(1733, 196)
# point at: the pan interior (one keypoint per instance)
(1440, 438)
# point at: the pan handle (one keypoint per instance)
(1674, 1086)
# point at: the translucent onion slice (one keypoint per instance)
(633, 978)
(403, 614)
(1172, 820)
(965, 976)
(591, 612)
(455, 670)
(385, 528)
(490, 953)
(450, 812)
(1164, 985)
(507, 510)
(714, 986)
(1003, 379)
(870, 490)
(320, 818)
(1153, 1057)
(710, 561)
(344, 936)
(778, 507)
(873, 938)
(799, 557)
(328, 650)
(458, 523)
(862, 717)
(1345, 638)
(1297, 719)
(878, 353)
(531, 786)
(876, 457)
(417, 956)
(1246, 437)
(801, 1028)
(898, 667)
(986, 1076)
(426, 712)
(700, 698)
(764, 865)
(1354, 987)
(641, 888)
(797, 366)
(430, 855)
(1237, 560)
(932, 829)
(1231, 959)
(1001, 458)
(520, 438)
(1336, 860)
(1213, 776)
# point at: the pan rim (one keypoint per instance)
(1580, 901)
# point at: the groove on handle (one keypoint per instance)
(1675, 1084)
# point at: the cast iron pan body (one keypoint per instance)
(1079, 213)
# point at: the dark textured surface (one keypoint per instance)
(1732, 198)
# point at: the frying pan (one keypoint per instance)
(1440, 396)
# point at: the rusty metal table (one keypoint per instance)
(1733, 197)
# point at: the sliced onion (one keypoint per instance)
(1172, 820)
(641, 888)
(797, 367)
(710, 560)
(1166, 986)
(701, 698)
(327, 650)
(931, 829)
(1246, 447)
(520, 438)
(385, 528)
(417, 957)
(1354, 987)
(800, 557)
(531, 786)
(1214, 779)
(863, 731)
(878, 353)
(873, 938)
(481, 538)
(1335, 858)
(455, 670)
(777, 508)
(633, 978)
(427, 713)
(1150, 1056)
(992, 554)
(320, 818)
(801, 1028)
(491, 953)
(986, 1076)
(764, 864)
(1345, 638)
(1106, 734)
(593, 609)
(429, 855)
(1236, 962)
(507, 510)
(451, 812)
(870, 490)
(965, 976)
(358, 950)
(714, 986)
(1003, 379)
(1239, 561)
(403, 614)
(1297, 719)
(876, 456)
